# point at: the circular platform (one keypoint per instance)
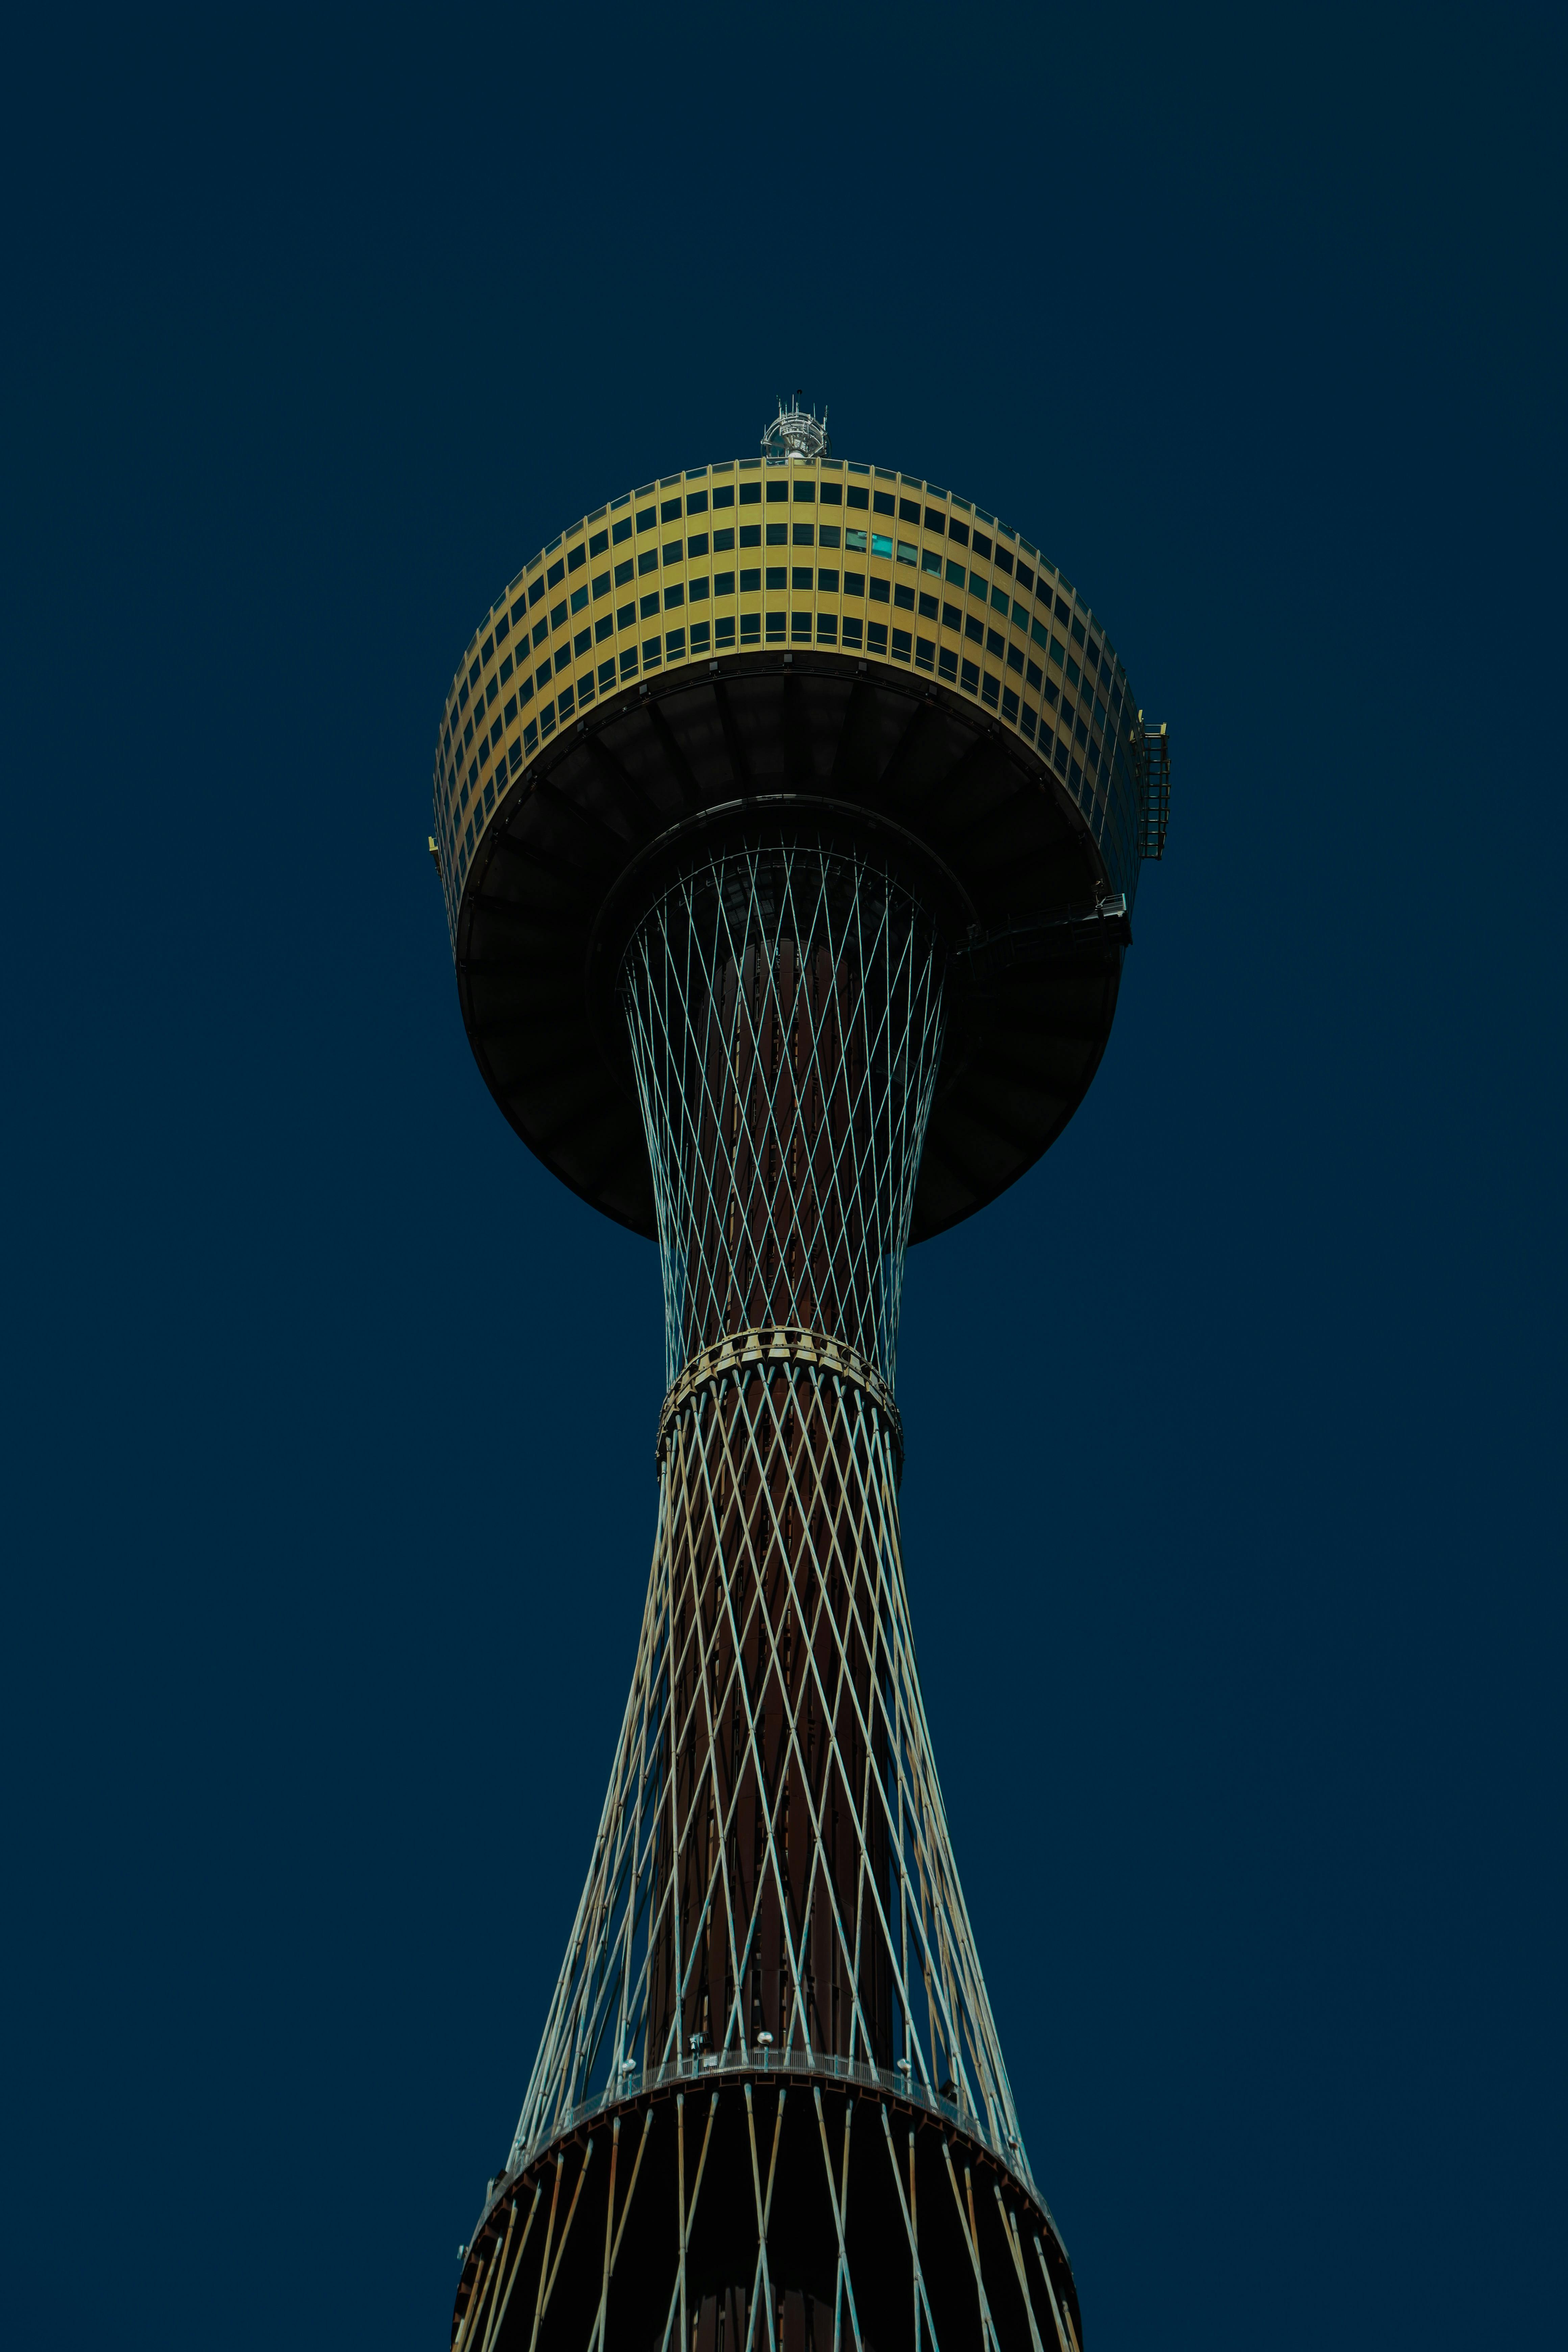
(976, 731)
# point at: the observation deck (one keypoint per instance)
(768, 644)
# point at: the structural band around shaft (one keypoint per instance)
(739, 1354)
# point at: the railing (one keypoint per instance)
(759, 2066)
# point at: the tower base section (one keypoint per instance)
(763, 2211)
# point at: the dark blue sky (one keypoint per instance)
(1233, 1504)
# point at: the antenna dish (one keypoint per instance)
(796, 435)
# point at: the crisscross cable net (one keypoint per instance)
(773, 1855)
(784, 1004)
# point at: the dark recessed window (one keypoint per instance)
(540, 631)
(603, 628)
(1000, 600)
(854, 584)
(724, 540)
(671, 511)
(723, 584)
(952, 618)
(579, 597)
(542, 676)
(925, 653)
(487, 649)
(598, 543)
(651, 653)
(750, 623)
(751, 532)
(601, 585)
(857, 497)
(630, 662)
(928, 606)
(469, 733)
(947, 666)
(805, 493)
(777, 493)
(776, 575)
(675, 645)
(1026, 576)
(935, 519)
(623, 573)
(826, 629)
(776, 621)
(697, 544)
(1064, 610)
(827, 536)
(904, 598)
(1032, 672)
(1077, 630)
(674, 598)
(474, 675)
(606, 675)
(505, 667)
(803, 535)
(969, 678)
(646, 517)
(1004, 561)
(851, 621)
(624, 615)
(581, 641)
(750, 494)
(649, 606)
(831, 494)
(994, 642)
(557, 571)
(562, 656)
(800, 576)
(696, 502)
(974, 630)
(876, 637)
(536, 591)
(699, 636)
(697, 590)
(981, 545)
(564, 702)
(879, 590)
(491, 690)
(577, 557)
(623, 529)
(724, 496)
(959, 533)
(1030, 720)
(908, 509)
(882, 502)
(827, 581)
(800, 626)
(725, 631)
(778, 534)
(649, 559)
(1015, 659)
(979, 587)
(672, 551)
(519, 609)
(752, 581)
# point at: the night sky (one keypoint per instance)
(1234, 1502)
